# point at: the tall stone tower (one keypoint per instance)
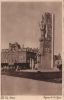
(47, 41)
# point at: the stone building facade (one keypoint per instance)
(17, 56)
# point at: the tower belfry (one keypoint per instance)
(47, 41)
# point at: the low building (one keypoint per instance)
(58, 61)
(17, 56)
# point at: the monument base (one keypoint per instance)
(46, 62)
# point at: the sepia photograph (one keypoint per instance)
(31, 48)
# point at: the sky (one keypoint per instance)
(20, 23)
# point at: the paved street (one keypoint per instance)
(23, 86)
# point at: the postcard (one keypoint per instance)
(32, 50)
